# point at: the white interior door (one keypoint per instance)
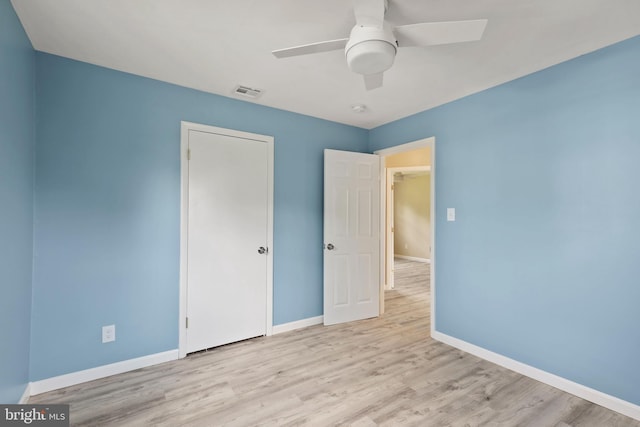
(227, 224)
(351, 236)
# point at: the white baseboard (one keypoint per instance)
(413, 258)
(615, 404)
(26, 395)
(43, 386)
(291, 326)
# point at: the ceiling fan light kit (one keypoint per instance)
(370, 50)
(372, 45)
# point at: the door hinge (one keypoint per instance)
(392, 229)
(188, 154)
(186, 323)
(392, 186)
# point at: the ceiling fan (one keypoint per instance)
(372, 45)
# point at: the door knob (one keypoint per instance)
(262, 250)
(330, 246)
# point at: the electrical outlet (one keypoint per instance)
(108, 333)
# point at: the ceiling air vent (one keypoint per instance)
(248, 92)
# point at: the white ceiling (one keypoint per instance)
(214, 45)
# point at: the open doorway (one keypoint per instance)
(408, 215)
(408, 237)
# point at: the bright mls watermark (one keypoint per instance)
(34, 415)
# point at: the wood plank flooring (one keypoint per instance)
(378, 372)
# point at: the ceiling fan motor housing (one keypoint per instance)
(370, 50)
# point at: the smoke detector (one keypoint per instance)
(359, 108)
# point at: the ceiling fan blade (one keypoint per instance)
(306, 49)
(435, 33)
(373, 81)
(369, 13)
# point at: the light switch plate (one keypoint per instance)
(451, 214)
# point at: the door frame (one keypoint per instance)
(390, 252)
(421, 143)
(185, 127)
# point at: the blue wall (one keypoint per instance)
(541, 259)
(17, 136)
(107, 215)
(541, 264)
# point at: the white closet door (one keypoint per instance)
(227, 224)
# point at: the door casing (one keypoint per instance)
(184, 222)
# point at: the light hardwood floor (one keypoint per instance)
(378, 372)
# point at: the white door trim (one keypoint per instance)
(389, 221)
(426, 142)
(185, 127)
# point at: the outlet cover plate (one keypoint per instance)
(108, 333)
